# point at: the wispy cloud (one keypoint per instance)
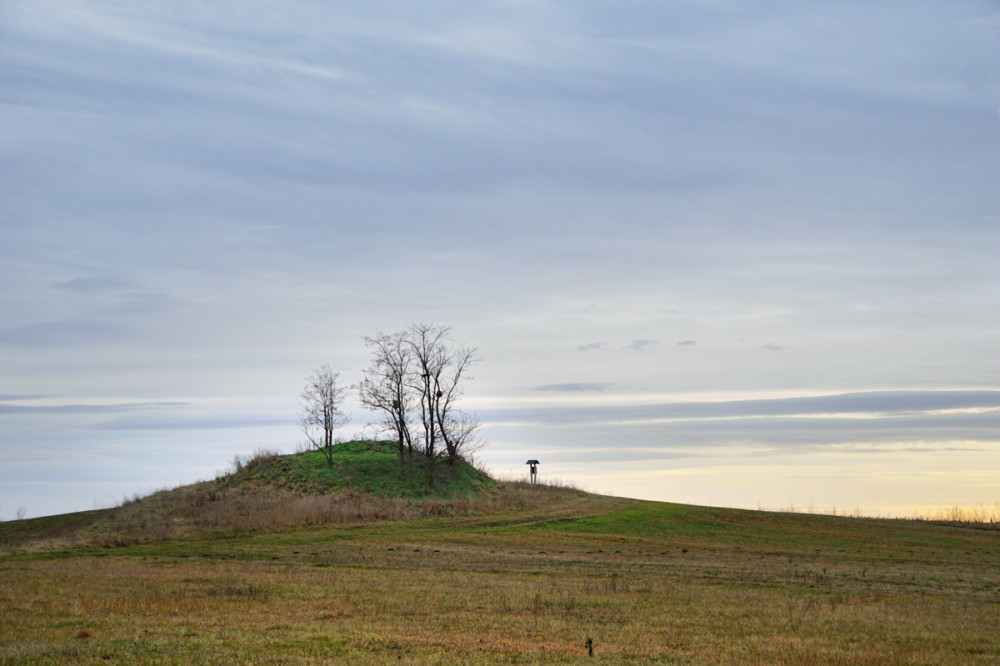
(592, 346)
(863, 424)
(991, 21)
(867, 405)
(17, 406)
(65, 333)
(575, 387)
(640, 344)
(93, 284)
(175, 422)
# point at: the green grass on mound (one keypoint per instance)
(365, 466)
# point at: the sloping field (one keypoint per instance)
(531, 583)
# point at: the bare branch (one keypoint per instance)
(415, 379)
(385, 386)
(322, 410)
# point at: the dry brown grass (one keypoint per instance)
(216, 508)
(981, 515)
(528, 581)
(431, 596)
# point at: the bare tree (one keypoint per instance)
(415, 380)
(385, 387)
(462, 436)
(440, 369)
(457, 428)
(429, 352)
(322, 410)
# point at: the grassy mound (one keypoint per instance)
(272, 492)
(364, 466)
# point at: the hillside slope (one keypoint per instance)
(528, 575)
(269, 491)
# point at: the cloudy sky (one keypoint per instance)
(726, 253)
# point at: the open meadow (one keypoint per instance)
(529, 576)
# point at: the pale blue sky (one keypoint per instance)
(725, 253)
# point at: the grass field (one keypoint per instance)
(528, 578)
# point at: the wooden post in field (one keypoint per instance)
(534, 470)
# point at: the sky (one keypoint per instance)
(724, 253)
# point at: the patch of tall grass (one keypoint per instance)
(260, 456)
(980, 515)
(214, 507)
